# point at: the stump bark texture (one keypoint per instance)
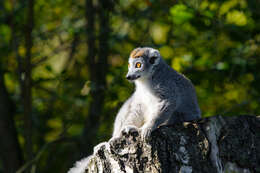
(213, 145)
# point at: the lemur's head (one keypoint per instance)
(142, 62)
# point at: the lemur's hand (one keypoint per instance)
(127, 131)
(146, 133)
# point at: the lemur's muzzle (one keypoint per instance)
(132, 77)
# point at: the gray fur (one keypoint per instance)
(162, 96)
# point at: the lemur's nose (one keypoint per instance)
(132, 77)
(128, 77)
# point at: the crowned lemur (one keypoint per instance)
(162, 95)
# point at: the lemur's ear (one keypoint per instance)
(154, 56)
(152, 59)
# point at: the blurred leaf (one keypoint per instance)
(5, 34)
(181, 14)
(159, 33)
(236, 17)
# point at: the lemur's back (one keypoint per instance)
(188, 108)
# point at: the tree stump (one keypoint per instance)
(214, 144)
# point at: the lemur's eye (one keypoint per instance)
(138, 65)
(128, 65)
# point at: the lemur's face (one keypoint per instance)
(141, 63)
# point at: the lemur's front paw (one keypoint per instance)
(129, 130)
(146, 133)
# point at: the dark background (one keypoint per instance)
(63, 66)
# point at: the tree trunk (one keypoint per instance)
(215, 144)
(97, 68)
(10, 150)
(27, 82)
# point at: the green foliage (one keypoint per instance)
(180, 14)
(214, 43)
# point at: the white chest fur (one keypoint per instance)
(149, 101)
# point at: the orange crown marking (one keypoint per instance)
(137, 53)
